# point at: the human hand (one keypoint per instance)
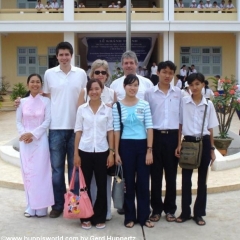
(178, 151)
(110, 160)
(77, 160)
(26, 137)
(117, 159)
(17, 102)
(213, 157)
(149, 158)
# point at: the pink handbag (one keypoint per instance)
(77, 206)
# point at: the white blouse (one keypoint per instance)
(94, 127)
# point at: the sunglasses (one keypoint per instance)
(102, 72)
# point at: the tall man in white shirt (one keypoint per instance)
(129, 65)
(154, 76)
(63, 84)
(164, 100)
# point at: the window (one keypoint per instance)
(27, 61)
(207, 60)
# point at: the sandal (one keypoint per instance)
(129, 224)
(155, 217)
(149, 224)
(100, 225)
(170, 217)
(181, 219)
(199, 221)
(27, 215)
(86, 225)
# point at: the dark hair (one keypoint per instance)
(195, 76)
(91, 81)
(178, 76)
(29, 78)
(183, 66)
(164, 65)
(129, 79)
(64, 45)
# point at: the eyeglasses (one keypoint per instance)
(102, 72)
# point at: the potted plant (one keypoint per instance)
(19, 90)
(225, 105)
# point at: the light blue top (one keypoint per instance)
(136, 119)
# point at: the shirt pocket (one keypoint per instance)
(175, 105)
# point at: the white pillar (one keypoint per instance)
(165, 10)
(171, 11)
(70, 37)
(68, 11)
(238, 57)
(168, 46)
(238, 10)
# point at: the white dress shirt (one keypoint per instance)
(55, 5)
(164, 107)
(39, 6)
(229, 6)
(117, 86)
(208, 5)
(191, 117)
(201, 6)
(183, 72)
(94, 127)
(208, 94)
(179, 83)
(193, 5)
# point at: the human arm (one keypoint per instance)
(110, 159)
(81, 99)
(76, 158)
(178, 149)
(213, 156)
(149, 156)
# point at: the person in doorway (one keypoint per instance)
(154, 76)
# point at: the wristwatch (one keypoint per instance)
(213, 148)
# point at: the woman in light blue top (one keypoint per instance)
(133, 149)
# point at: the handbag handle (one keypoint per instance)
(204, 116)
(81, 179)
(119, 171)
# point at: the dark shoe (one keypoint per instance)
(181, 219)
(55, 213)
(170, 217)
(121, 211)
(199, 221)
(155, 217)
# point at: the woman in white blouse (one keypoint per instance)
(100, 70)
(207, 92)
(93, 149)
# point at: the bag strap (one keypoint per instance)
(119, 170)
(120, 117)
(81, 179)
(204, 116)
(71, 185)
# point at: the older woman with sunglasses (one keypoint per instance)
(100, 71)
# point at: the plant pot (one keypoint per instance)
(222, 144)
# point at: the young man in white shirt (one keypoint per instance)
(208, 4)
(193, 4)
(39, 5)
(154, 76)
(164, 100)
(63, 85)
(112, 5)
(55, 4)
(180, 4)
(230, 5)
(129, 66)
(201, 5)
(223, 5)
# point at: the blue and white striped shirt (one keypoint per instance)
(136, 119)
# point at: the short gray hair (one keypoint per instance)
(99, 63)
(129, 54)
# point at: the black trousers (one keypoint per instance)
(164, 146)
(154, 79)
(201, 200)
(96, 162)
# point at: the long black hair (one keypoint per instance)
(28, 80)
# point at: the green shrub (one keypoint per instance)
(19, 90)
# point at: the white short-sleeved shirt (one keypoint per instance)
(208, 5)
(208, 94)
(107, 95)
(191, 117)
(48, 6)
(39, 6)
(94, 127)
(201, 6)
(55, 5)
(183, 72)
(117, 86)
(164, 107)
(64, 90)
(229, 6)
(179, 83)
(154, 70)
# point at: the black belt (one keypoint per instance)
(166, 131)
(195, 139)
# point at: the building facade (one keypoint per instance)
(209, 38)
